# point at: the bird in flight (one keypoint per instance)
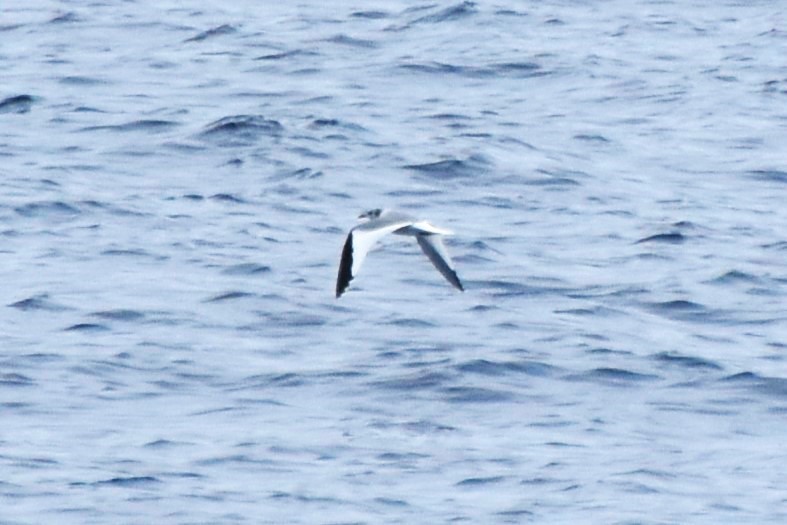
(378, 223)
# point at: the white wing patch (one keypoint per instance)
(425, 227)
(364, 240)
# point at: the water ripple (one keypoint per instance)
(670, 238)
(463, 394)
(346, 40)
(420, 381)
(497, 70)
(47, 209)
(497, 368)
(229, 296)
(14, 379)
(146, 125)
(246, 269)
(17, 104)
(769, 175)
(39, 302)
(120, 315)
(475, 482)
(770, 386)
(684, 361)
(87, 327)
(241, 130)
(224, 29)
(370, 15)
(613, 376)
(448, 14)
(474, 166)
(125, 482)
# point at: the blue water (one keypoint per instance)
(176, 182)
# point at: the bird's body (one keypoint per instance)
(382, 222)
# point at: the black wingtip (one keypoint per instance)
(345, 267)
(456, 282)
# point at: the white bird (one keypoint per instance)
(382, 222)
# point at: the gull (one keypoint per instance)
(377, 224)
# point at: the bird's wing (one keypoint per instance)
(432, 245)
(359, 241)
(426, 227)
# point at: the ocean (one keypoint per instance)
(177, 180)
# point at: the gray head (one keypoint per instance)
(371, 214)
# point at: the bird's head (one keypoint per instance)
(371, 214)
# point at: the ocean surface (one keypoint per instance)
(176, 183)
